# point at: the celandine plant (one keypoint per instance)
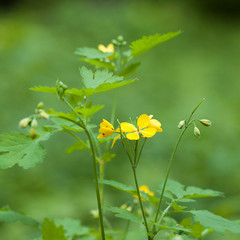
(151, 213)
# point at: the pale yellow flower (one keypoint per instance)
(108, 49)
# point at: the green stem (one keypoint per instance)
(101, 176)
(96, 184)
(140, 200)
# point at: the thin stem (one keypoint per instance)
(140, 200)
(96, 184)
(101, 176)
(168, 171)
(140, 153)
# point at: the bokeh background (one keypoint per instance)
(37, 41)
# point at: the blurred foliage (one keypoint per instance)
(37, 41)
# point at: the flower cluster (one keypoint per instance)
(146, 127)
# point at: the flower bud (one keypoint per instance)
(205, 122)
(196, 132)
(40, 105)
(33, 133)
(181, 124)
(120, 38)
(95, 213)
(34, 123)
(43, 114)
(24, 122)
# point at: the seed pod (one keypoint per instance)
(196, 132)
(24, 122)
(33, 133)
(205, 122)
(34, 123)
(181, 124)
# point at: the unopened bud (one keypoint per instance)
(34, 123)
(43, 114)
(40, 105)
(120, 38)
(33, 133)
(205, 122)
(181, 124)
(24, 122)
(196, 132)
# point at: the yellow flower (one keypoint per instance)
(108, 49)
(155, 124)
(145, 189)
(106, 129)
(144, 126)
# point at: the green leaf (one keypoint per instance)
(9, 216)
(175, 228)
(99, 63)
(51, 232)
(72, 227)
(44, 89)
(21, 150)
(148, 42)
(81, 92)
(71, 116)
(215, 222)
(88, 112)
(130, 69)
(107, 157)
(80, 145)
(123, 213)
(176, 190)
(119, 186)
(92, 53)
(94, 80)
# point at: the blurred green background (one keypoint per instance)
(37, 41)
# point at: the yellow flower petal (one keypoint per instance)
(143, 121)
(114, 140)
(100, 136)
(148, 132)
(145, 189)
(106, 124)
(110, 47)
(127, 127)
(155, 124)
(133, 136)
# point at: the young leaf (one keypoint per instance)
(80, 145)
(44, 89)
(123, 213)
(9, 216)
(51, 232)
(148, 42)
(88, 112)
(72, 227)
(92, 53)
(215, 222)
(94, 80)
(21, 150)
(71, 116)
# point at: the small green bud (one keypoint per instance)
(34, 123)
(40, 105)
(24, 122)
(61, 88)
(33, 133)
(196, 132)
(115, 42)
(205, 122)
(181, 124)
(120, 38)
(95, 213)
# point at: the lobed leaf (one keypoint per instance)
(215, 222)
(99, 63)
(130, 69)
(88, 112)
(44, 89)
(9, 216)
(80, 145)
(52, 232)
(22, 150)
(148, 42)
